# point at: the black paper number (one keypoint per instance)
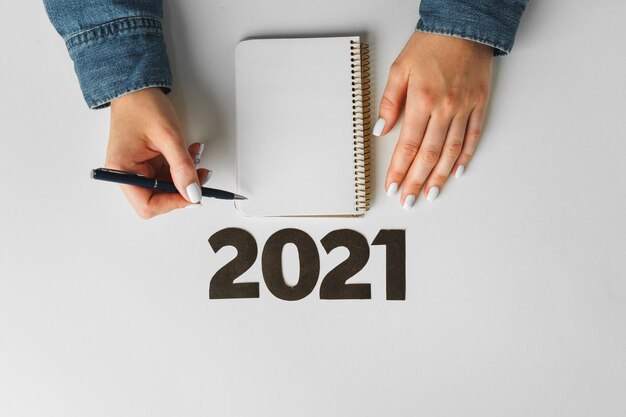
(222, 284)
(395, 242)
(334, 285)
(272, 266)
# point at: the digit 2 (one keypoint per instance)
(334, 285)
(222, 284)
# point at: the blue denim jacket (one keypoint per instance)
(117, 45)
(492, 22)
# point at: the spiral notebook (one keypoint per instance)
(303, 126)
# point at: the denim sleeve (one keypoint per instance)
(491, 22)
(117, 45)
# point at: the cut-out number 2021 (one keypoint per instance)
(334, 285)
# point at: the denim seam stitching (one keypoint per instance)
(113, 28)
(113, 96)
(429, 29)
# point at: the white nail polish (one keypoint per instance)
(198, 157)
(408, 202)
(194, 195)
(459, 171)
(208, 176)
(194, 206)
(432, 194)
(392, 190)
(379, 127)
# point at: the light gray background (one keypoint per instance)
(516, 292)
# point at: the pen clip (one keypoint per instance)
(117, 171)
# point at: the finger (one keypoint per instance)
(393, 100)
(411, 135)
(204, 175)
(196, 150)
(450, 153)
(425, 160)
(472, 136)
(163, 168)
(148, 204)
(182, 167)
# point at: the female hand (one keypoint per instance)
(443, 83)
(146, 138)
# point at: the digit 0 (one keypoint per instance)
(272, 265)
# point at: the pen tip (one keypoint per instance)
(240, 197)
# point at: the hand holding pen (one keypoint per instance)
(145, 138)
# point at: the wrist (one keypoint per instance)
(449, 43)
(137, 96)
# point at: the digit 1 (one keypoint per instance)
(395, 243)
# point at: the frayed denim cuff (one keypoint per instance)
(490, 22)
(118, 58)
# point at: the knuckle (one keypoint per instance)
(386, 104)
(473, 135)
(397, 72)
(454, 149)
(482, 93)
(439, 179)
(451, 100)
(395, 174)
(467, 155)
(413, 187)
(427, 99)
(396, 69)
(408, 148)
(429, 156)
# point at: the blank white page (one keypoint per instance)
(294, 127)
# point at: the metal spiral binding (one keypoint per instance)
(360, 64)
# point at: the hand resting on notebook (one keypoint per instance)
(442, 84)
(145, 137)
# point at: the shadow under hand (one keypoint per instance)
(190, 94)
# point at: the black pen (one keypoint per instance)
(138, 180)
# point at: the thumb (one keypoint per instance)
(392, 101)
(182, 168)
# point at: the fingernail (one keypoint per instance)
(459, 171)
(432, 194)
(194, 206)
(208, 175)
(393, 189)
(408, 202)
(194, 195)
(379, 127)
(198, 157)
